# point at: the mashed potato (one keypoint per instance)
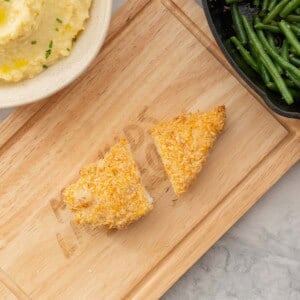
(34, 34)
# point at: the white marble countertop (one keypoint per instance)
(259, 258)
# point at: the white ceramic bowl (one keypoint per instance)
(66, 70)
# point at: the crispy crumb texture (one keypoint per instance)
(184, 143)
(109, 192)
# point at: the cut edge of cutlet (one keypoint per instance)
(165, 134)
(89, 210)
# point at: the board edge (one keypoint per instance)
(189, 250)
(23, 114)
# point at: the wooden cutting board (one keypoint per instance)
(159, 61)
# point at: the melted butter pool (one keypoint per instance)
(16, 65)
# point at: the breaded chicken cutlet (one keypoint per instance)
(184, 143)
(109, 192)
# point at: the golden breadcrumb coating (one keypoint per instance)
(109, 192)
(184, 142)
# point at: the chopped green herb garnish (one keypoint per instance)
(33, 42)
(68, 49)
(6, 0)
(74, 39)
(59, 20)
(47, 53)
(56, 29)
(45, 66)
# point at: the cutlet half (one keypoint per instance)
(184, 142)
(109, 192)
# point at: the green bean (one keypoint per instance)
(256, 20)
(256, 2)
(267, 62)
(275, 28)
(297, 11)
(295, 29)
(272, 4)
(295, 60)
(290, 36)
(293, 51)
(263, 73)
(265, 5)
(272, 86)
(238, 25)
(293, 4)
(271, 42)
(293, 80)
(293, 18)
(285, 50)
(296, 24)
(285, 54)
(244, 53)
(290, 83)
(261, 68)
(232, 1)
(272, 28)
(277, 58)
(275, 11)
(252, 50)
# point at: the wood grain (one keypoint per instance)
(22, 116)
(137, 79)
(6, 293)
(9, 290)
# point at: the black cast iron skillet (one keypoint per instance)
(219, 20)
